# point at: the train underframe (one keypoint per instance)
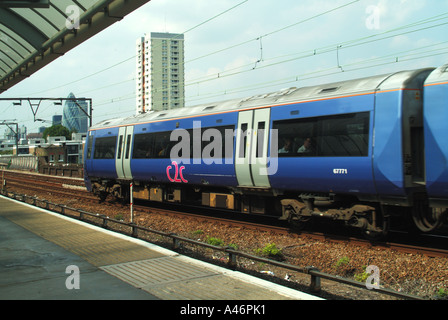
(372, 218)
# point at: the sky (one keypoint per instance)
(240, 48)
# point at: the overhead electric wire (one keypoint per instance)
(108, 86)
(259, 38)
(318, 51)
(249, 67)
(126, 97)
(216, 16)
(396, 58)
(388, 59)
(201, 24)
(86, 77)
(130, 58)
(306, 54)
(273, 32)
(325, 49)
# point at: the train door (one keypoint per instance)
(88, 163)
(123, 156)
(252, 148)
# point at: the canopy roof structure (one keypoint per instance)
(33, 33)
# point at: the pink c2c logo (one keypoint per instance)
(178, 173)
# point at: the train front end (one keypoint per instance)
(436, 141)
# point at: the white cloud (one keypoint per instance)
(394, 12)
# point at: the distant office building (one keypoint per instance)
(10, 133)
(7, 145)
(160, 72)
(23, 131)
(74, 118)
(56, 120)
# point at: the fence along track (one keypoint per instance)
(136, 231)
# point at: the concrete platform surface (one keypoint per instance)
(47, 256)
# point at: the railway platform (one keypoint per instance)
(50, 257)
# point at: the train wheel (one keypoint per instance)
(292, 212)
(99, 192)
(428, 219)
(378, 225)
(103, 196)
(380, 232)
(124, 194)
(298, 223)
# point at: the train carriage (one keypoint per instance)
(349, 151)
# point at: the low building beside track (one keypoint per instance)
(58, 156)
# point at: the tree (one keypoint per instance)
(56, 131)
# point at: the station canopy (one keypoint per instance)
(35, 32)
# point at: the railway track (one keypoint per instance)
(269, 227)
(401, 247)
(405, 248)
(63, 187)
(74, 188)
(14, 174)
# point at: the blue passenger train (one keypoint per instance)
(357, 152)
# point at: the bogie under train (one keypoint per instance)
(356, 152)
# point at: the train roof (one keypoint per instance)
(440, 75)
(399, 80)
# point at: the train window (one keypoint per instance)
(158, 145)
(328, 90)
(152, 145)
(243, 143)
(334, 136)
(292, 135)
(128, 145)
(344, 136)
(220, 138)
(163, 145)
(89, 147)
(143, 146)
(120, 147)
(105, 148)
(260, 139)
